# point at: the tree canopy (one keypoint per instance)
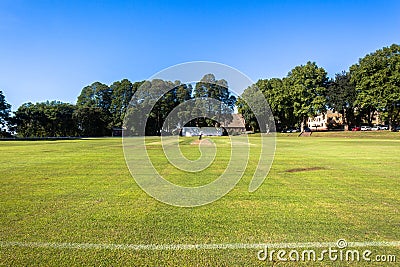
(156, 99)
(306, 86)
(341, 95)
(292, 99)
(46, 119)
(377, 80)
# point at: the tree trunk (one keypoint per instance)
(393, 119)
(302, 126)
(345, 120)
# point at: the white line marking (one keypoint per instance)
(194, 246)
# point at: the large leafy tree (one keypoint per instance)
(162, 96)
(47, 119)
(292, 99)
(95, 99)
(90, 121)
(273, 91)
(183, 113)
(150, 106)
(183, 92)
(377, 79)
(280, 101)
(60, 118)
(122, 92)
(247, 112)
(307, 88)
(29, 120)
(210, 87)
(5, 110)
(341, 96)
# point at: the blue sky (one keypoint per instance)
(50, 50)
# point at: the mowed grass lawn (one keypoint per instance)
(320, 189)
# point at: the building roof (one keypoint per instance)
(237, 121)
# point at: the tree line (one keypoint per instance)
(100, 108)
(369, 86)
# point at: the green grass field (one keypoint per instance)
(320, 189)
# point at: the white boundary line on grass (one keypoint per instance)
(193, 246)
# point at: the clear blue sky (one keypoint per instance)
(50, 50)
